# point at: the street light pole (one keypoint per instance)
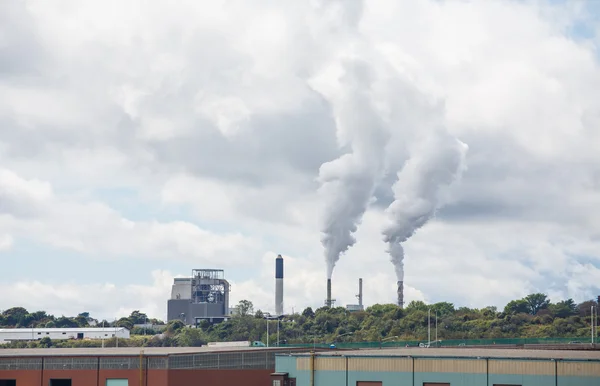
(436, 336)
(429, 326)
(267, 332)
(277, 331)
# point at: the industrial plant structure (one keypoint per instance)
(204, 296)
(440, 367)
(359, 306)
(279, 285)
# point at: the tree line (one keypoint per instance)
(533, 316)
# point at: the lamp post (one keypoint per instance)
(383, 340)
(428, 326)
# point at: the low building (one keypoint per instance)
(440, 367)
(8, 335)
(132, 366)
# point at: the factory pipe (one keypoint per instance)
(401, 294)
(279, 285)
(360, 293)
(328, 300)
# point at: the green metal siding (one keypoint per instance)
(455, 379)
(521, 379)
(330, 378)
(578, 381)
(387, 378)
(468, 373)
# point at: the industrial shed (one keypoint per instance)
(27, 334)
(134, 366)
(439, 367)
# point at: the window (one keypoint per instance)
(276, 382)
(368, 383)
(8, 382)
(39, 333)
(64, 333)
(60, 382)
(435, 384)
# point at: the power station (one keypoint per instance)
(204, 296)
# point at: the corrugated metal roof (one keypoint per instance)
(85, 329)
(469, 353)
(130, 351)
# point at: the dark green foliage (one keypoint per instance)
(531, 317)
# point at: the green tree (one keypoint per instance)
(564, 308)
(537, 302)
(517, 307)
(308, 313)
(245, 307)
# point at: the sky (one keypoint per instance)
(140, 140)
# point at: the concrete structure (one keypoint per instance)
(279, 285)
(440, 367)
(154, 366)
(204, 296)
(28, 334)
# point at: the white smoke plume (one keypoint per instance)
(434, 165)
(348, 182)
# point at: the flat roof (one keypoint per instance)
(466, 353)
(74, 329)
(133, 351)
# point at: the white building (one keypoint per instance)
(14, 334)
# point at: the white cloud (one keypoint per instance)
(205, 112)
(100, 298)
(6, 242)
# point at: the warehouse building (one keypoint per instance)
(439, 367)
(27, 334)
(135, 366)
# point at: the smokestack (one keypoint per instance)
(328, 300)
(360, 292)
(279, 285)
(401, 294)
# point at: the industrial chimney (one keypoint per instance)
(401, 294)
(279, 285)
(360, 298)
(328, 300)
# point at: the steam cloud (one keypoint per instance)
(434, 165)
(348, 182)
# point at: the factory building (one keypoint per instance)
(133, 366)
(203, 296)
(439, 367)
(27, 334)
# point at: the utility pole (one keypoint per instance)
(428, 327)
(436, 338)
(592, 322)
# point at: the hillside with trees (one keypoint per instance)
(531, 317)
